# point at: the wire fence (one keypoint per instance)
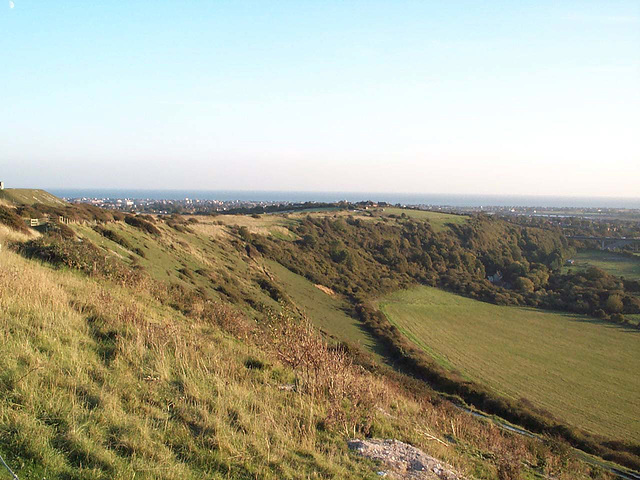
(13, 475)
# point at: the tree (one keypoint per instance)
(309, 240)
(524, 285)
(614, 304)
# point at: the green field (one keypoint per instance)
(583, 371)
(437, 220)
(613, 263)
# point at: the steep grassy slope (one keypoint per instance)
(29, 196)
(217, 264)
(581, 370)
(326, 309)
(99, 384)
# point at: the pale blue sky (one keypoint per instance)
(457, 97)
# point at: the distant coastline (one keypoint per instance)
(453, 200)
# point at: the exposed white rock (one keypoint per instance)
(404, 461)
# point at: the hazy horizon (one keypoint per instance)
(460, 98)
(404, 198)
(328, 191)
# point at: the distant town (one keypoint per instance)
(209, 206)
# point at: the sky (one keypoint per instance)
(483, 97)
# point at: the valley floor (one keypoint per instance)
(580, 369)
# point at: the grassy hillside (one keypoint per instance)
(581, 370)
(174, 348)
(186, 259)
(326, 309)
(99, 381)
(103, 379)
(613, 263)
(29, 196)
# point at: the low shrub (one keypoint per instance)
(78, 255)
(11, 219)
(142, 224)
(113, 236)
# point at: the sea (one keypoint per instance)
(451, 200)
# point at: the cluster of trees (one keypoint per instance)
(594, 292)
(365, 258)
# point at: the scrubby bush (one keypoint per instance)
(61, 230)
(78, 255)
(142, 223)
(271, 288)
(326, 372)
(11, 219)
(614, 304)
(509, 470)
(524, 285)
(113, 236)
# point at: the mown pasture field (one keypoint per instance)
(582, 370)
(611, 262)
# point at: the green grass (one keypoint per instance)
(634, 318)
(610, 262)
(168, 256)
(327, 312)
(581, 370)
(98, 381)
(29, 196)
(113, 381)
(439, 221)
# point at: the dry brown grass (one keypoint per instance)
(329, 372)
(209, 229)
